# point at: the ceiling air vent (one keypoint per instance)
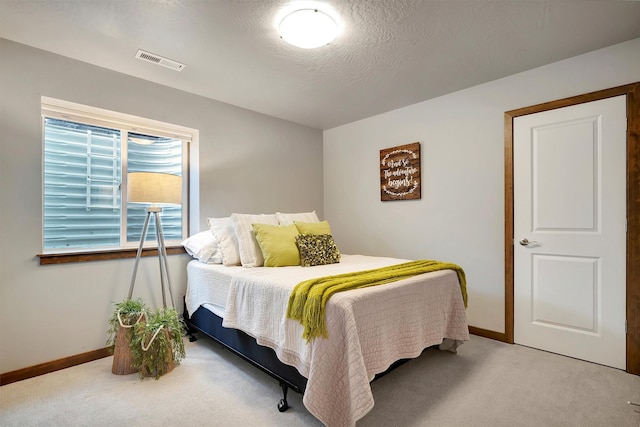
(153, 58)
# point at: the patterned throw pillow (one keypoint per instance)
(317, 249)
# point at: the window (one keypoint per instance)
(87, 155)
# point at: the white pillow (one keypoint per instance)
(250, 252)
(203, 247)
(225, 235)
(290, 218)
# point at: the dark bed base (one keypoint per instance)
(245, 346)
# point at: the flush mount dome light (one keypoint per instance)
(308, 28)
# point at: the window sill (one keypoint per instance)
(62, 258)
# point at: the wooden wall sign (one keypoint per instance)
(400, 172)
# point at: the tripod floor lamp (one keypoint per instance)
(155, 188)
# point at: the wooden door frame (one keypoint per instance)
(632, 91)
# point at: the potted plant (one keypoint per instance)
(125, 316)
(157, 344)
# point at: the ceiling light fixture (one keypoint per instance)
(308, 28)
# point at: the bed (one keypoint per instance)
(369, 330)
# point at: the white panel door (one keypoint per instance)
(570, 231)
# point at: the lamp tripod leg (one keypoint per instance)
(164, 263)
(138, 254)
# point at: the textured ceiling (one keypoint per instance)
(392, 53)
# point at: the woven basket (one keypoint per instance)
(122, 357)
(147, 372)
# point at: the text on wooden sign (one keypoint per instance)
(400, 172)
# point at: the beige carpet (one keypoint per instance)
(487, 383)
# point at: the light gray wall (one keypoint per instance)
(249, 163)
(460, 217)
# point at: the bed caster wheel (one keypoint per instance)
(283, 405)
(192, 338)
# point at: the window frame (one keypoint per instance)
(69, 111)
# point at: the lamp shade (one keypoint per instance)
(154, 187)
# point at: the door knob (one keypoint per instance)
(526, 242)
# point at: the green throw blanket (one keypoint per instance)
(308, 300)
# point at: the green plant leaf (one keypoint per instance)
(162, 337)
(130, 311)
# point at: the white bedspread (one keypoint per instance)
(369, 329)
(208, 284)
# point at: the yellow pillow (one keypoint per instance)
(321, 227)
(278, 244)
